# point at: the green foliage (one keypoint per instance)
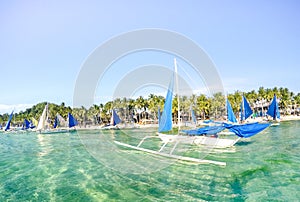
(204, 106)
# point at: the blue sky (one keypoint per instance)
(45, 43)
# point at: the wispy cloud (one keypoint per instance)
(17, 108)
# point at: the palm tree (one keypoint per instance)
(93, 114)
(262, 93)
(285, 100)
(203, 106)
(217, 105)
(154, 103)
(141, 103)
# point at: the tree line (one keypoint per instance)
(130, 110)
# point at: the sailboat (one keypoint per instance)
(165, 124)
(7, 126)
(72, 122)
(230, 114)
(246, 110)
(43, 125)
(273, 111)
(26, 124)
(114, 121)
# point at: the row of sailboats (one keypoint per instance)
(59, 126)
(43, 125)
(246, 111)
(27, 125)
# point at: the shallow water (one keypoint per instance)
(89, 166)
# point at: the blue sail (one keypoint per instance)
(26, 124)
(72, 121)
(165, 122)
(7, 126)
(246, 110)
(115, 118)
(273, 110)
(247, 130)
(193, 116)
(230, 114)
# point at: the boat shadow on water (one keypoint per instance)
(243, 143)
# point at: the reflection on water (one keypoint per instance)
(44, 145)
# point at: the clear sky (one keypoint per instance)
(45, 43)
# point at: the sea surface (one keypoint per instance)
(88, 166)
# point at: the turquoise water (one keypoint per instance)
(88, 166)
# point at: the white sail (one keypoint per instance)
(42, 120)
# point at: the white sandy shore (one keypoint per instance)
(282, 118)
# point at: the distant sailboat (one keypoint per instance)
(114, 121)
(7, 126)
(43, 125)
(230, 114)
(26, 124)
(246, 110)
(72, 121)
(273, 110)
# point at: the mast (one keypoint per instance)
(177, 89)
